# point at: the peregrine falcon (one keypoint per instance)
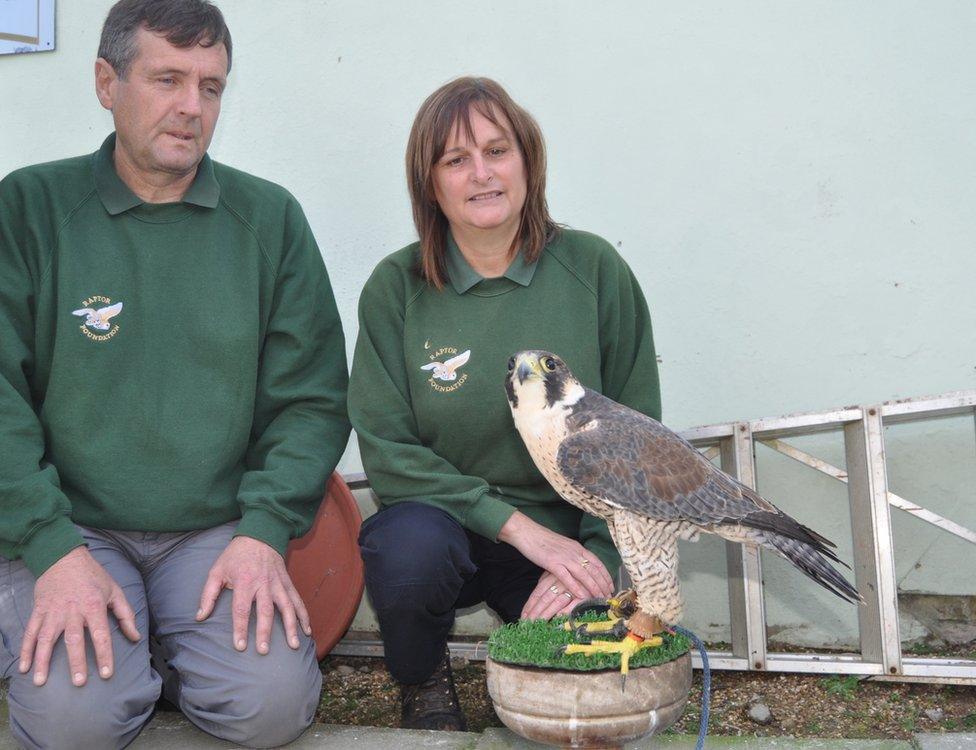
(650, 486)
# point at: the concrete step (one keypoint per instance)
(503, 739)
(945, 741)
(172, 731)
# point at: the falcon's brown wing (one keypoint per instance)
(632, 461)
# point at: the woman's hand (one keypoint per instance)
(572, 572)
(548, 599)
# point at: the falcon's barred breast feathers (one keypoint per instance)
(649, 484)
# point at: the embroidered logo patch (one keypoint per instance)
(98, 325)
(446, 371)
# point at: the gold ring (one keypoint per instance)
(554, 589)
(584, 562)
(568, 595)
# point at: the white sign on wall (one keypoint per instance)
(26, 26)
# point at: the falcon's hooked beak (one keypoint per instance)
(526, 366)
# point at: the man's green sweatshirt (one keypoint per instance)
(427, 397)
(163, 367)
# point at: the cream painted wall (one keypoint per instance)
(793, 183)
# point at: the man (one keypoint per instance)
(172, 400)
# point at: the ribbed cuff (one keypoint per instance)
(488, 515)
(49, 544)
(265, 527)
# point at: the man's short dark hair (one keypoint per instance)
(183, 23)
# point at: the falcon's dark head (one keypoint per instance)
(538, 376)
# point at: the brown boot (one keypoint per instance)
(433, 703)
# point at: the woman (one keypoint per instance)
(465, 516)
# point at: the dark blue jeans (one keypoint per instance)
(421, 566)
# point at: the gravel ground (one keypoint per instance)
(359, 691)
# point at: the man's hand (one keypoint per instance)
(71, 595)
(256, 574)
(572, 572)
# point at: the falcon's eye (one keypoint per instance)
(549, 364)
(511, 363)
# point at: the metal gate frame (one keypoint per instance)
(880, 654)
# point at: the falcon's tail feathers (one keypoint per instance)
(821, 544)
(811, 561)
(770, 518)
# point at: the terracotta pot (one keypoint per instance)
(326, 568)
(588, 709)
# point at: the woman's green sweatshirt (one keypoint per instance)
(427, 397)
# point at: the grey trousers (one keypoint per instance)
(244, 697)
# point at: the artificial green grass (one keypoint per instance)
(536, 643)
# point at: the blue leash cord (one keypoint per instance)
(706, 683)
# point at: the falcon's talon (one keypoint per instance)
(581, 634)
(623, 604)
(627, 648)
(616, 609)
(619, 629)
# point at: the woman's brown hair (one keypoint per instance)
(449, 109)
